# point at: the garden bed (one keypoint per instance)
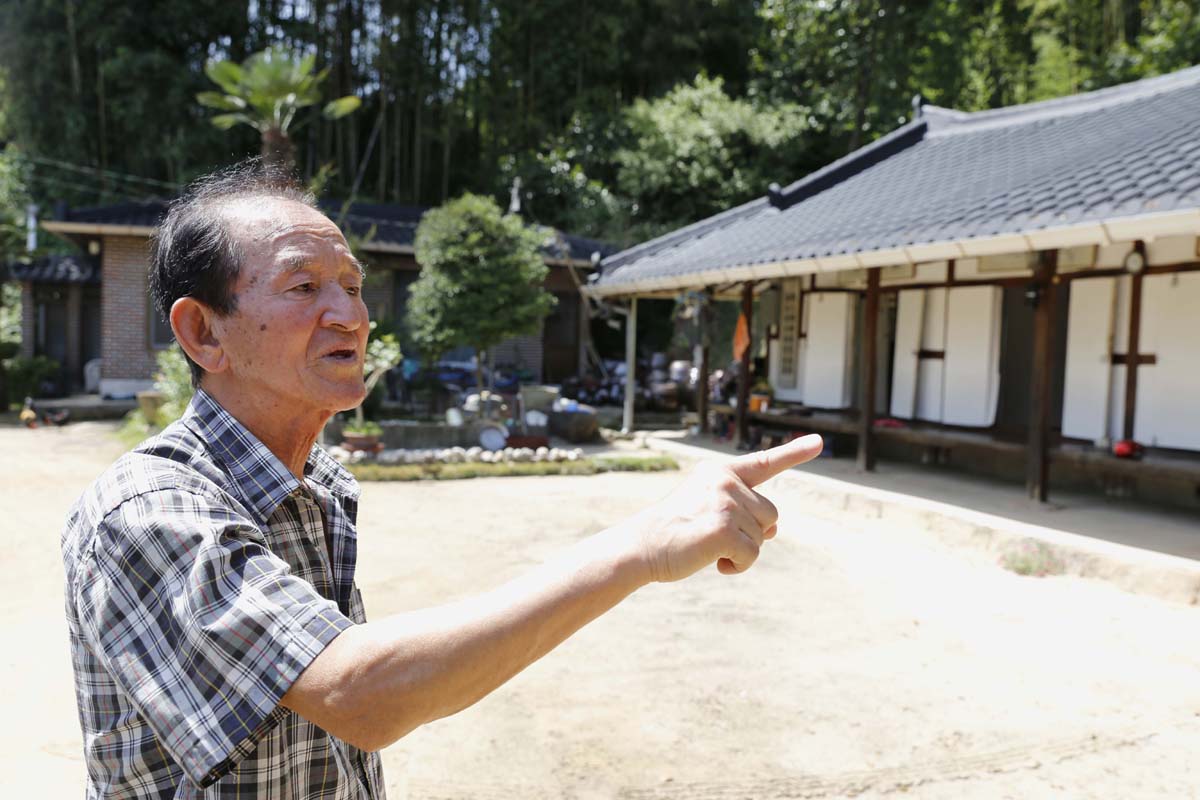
(482, 469)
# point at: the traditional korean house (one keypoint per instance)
(1016, 289)
(126, 334)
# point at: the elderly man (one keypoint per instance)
(219, 642)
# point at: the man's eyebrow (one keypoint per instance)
(295, 263)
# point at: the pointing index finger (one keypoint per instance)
(760, 467)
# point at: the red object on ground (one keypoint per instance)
(1127, 448)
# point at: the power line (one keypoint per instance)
(93, 171)
(90, 188)
(93, 188)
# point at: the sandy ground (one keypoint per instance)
(847, 663)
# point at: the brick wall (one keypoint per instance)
(124, 309)
(377, 293)
(28, 319)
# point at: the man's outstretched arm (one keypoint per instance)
(378, 681)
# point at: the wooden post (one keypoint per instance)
(74, 359)
(702, 382)
(1037, 469)
(1133, 348)
(867, 372)
(743, 396)
(630, 365)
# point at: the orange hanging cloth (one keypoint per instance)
(741, 338)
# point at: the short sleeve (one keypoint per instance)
(199, 623)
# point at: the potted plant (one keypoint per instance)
(383, 353)
(362, 435)
(760, 395)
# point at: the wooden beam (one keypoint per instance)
(1121, 359)
(867, 371)
(1037, 467)
(1133, 345)
(743, 404)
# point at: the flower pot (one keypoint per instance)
(361, 441)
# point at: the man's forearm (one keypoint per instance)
(377, 682)
(384, 679)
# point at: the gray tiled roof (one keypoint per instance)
(394, 225)
(56, 269)
(949, 175)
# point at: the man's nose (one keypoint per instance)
(343, 309)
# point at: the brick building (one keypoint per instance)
(123, 331)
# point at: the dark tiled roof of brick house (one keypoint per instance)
(393, 226)
(951, 176)
(56, 269)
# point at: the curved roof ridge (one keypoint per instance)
(950, 120)
(905, 136)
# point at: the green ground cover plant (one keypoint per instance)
(1035, 559)
(445, 472)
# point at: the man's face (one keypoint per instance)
(298, 336)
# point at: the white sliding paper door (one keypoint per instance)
(827, 351)
(931, 371)
(1088, 381)
(971, 378)
(1168, 398)
(910, 323)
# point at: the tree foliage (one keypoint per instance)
(696, 151)
(13, 199)
(481, 278)
(466, 95)
(266, 92)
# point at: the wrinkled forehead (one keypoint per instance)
(279, 229)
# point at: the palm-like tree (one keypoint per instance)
(265, 92)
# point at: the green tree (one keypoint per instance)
(13, 199)
(696, 151)
(266, 92)
(383, 353)
(481, 279)
(557, 186)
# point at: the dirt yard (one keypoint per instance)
(845, 664)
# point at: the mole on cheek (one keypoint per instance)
(262, 327)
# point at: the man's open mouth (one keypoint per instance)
(345, 354)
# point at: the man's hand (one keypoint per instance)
(716, 515)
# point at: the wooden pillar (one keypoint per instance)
(1037, 469)
(74, 366)
(630, 365)
(743, 404)
(702, 382)
(1133, 349)
(585, 335)
(867, 371)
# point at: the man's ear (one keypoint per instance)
(191, 322)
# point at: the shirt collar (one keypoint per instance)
(258, 475)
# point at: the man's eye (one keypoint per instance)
(305, 288)
(354, 291)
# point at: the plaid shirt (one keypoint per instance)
(201, 579)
